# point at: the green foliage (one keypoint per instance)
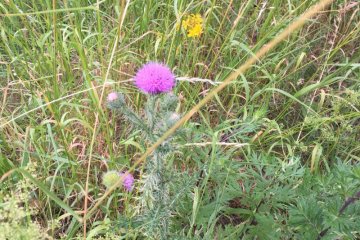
(16, 216)
(154, 199)
(275, 155)
(273, 199)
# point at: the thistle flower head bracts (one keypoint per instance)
(112, 177)
(155, 78)
(115, 100)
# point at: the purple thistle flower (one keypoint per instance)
(155, 78)
(112, 96)
(128, 180)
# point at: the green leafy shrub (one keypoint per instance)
(16, 216)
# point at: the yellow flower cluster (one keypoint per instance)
(193, 24)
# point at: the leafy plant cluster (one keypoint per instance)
(154, 203)
(232, 193)
(18, 215)
(251, 195)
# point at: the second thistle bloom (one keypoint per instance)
(155, 78)
(128, 181)
(112, 97)
(113, 177)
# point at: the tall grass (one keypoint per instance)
(272, 128)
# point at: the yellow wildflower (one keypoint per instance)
(195, 31)
(193, 24)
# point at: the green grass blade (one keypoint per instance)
(51, 195)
